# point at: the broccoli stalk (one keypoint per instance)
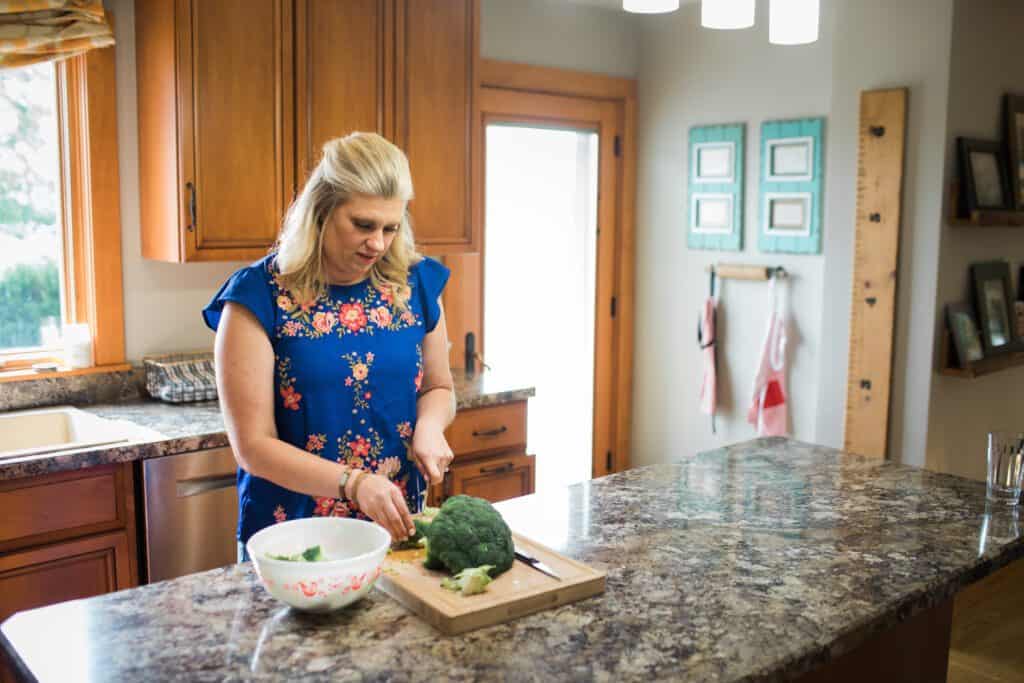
(469, 581)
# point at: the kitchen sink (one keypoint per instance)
(63, 428)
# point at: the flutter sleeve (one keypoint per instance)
(250, 288)
(433, 276)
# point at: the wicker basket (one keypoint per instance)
(181, 377)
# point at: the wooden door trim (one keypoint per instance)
(528, 79)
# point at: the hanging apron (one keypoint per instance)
(707, 341)
(769, 412)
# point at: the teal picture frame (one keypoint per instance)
(715, 187)
(792, 182)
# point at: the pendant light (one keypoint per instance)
(650, 6)
(793, 22)
(727, 14)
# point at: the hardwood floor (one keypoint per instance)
(988, 629)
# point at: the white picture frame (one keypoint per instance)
(790, 160)
(788, 214)
(712, 213)
(715, 162)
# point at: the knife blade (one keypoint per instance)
(536, 564)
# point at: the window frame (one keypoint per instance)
(91, 216)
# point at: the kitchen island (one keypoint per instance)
(764, 561)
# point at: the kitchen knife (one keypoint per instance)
(535, 563)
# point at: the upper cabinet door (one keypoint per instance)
(236, 113)
(436, 99)
(344, 72)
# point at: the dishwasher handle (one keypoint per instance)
(200, 485)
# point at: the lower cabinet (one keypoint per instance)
(66, 536)
(495, 478)
(490, 455)
(64, 571)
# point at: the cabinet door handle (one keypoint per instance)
(490, 432)
(191, 206)
(507, 467)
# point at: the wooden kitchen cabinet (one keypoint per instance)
(237, 97)
(437, 123)
(490, 455)
(65, 536)
(344, 72)
(216, 162)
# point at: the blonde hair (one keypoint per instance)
(357, 164)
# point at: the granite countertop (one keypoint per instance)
(186, 427)
(755, 562)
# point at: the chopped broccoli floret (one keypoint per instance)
(469, 581)
(467, 532)
(311, 554)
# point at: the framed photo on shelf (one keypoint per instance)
(1014, 113)
(994, 300)
(964, 330)
(983, 173)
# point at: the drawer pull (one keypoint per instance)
(507, 467)
(490, 432)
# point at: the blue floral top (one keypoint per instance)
(347, 370)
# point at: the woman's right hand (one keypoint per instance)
(383, 502)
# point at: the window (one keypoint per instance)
(60, 231)
(31, 291)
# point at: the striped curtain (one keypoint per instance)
(50, 30)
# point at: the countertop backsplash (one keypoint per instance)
(100, 387)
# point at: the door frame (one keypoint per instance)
(516, 87)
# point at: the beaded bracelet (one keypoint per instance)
(356, 483)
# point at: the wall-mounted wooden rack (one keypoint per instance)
(740, 271)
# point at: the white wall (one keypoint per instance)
(886, 44)
(693, 76)
(987, 62)
(559, 34)
(162, 301)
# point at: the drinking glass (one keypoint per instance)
(1005, 466)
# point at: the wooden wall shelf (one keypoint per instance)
(985, 366)
(981, 219)
(990, 219)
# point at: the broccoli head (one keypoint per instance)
(468, 532)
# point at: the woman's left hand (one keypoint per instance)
(431, 452)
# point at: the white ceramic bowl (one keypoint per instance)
(356, 550)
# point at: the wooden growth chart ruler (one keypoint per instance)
(876, 250)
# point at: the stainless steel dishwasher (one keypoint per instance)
(191, 512)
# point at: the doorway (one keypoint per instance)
(548, 277)
(540, 267)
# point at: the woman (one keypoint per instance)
(332, 353)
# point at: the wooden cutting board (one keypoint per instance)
(520, 591)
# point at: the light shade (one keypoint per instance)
(793, 22)
(727, 14)
(650, 6)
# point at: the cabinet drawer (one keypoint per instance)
(479, 430)
(64, 571)
(493, 479)
(64, 505)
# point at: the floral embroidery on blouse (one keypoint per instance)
(279, 514)
(359, 451)
(375, 310)
(360, 369)
(315, 443)
(418, 380)
(289, 396)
